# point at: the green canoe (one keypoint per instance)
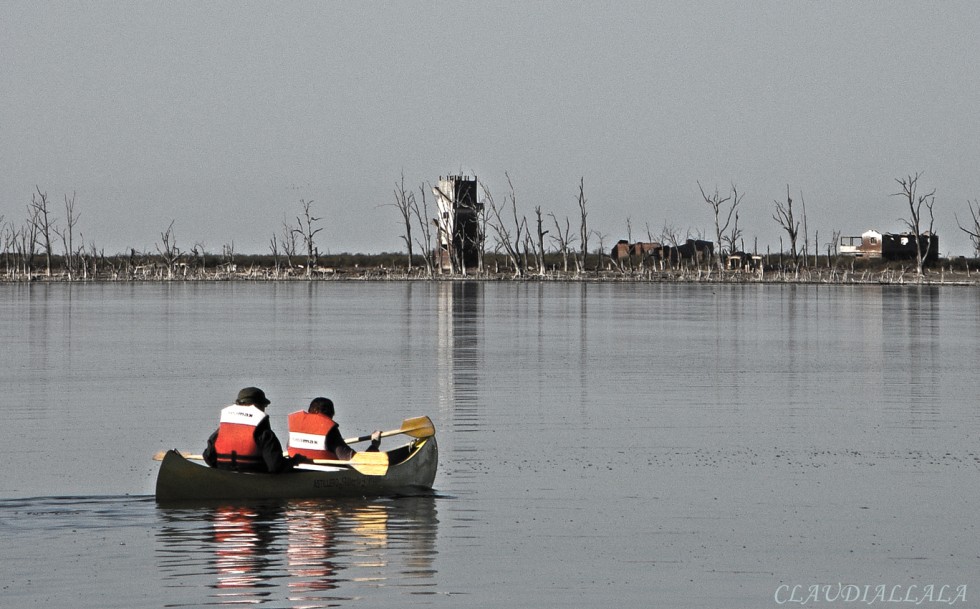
(411, 470)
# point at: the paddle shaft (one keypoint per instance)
(417, 427)
(384, 434)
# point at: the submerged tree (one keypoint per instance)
(68, 235)
(563, 239)
(539, 254)
(421, 214)
(784, 216)
(407, 207)
(583, 233)
(510, 242)
(724, 207)
(307, 233)
(168, 250)
(40, 216)
(909, 193)
(974, 230)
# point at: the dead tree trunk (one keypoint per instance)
(405, 202)
(41, 216)
(718, 204)
(308, 233)
(909, 193)
(784, 216)
(584, 226)
(562, 240)
(168, 249)
(974, 230)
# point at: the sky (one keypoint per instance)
(221, 117)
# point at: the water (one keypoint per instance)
(637, 444)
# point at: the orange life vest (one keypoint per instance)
(308, 435)
(235, 445)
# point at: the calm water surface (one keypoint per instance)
(643, 445)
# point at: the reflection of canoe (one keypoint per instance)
(412, 468)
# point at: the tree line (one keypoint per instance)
(513, 239)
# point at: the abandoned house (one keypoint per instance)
(889, 246)
(690, 250)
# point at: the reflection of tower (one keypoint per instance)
(460, 311)
(458, 223)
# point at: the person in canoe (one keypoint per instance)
(244, 440)
(315, 435)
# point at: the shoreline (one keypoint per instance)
(934, 277)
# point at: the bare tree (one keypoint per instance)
(288, 242)
(168, 249)
(910, 186)
(734, 236)
(563, 239)
(628, 263)
(425, 227)
(584, 226)
(718, 206)
(601, 250)
(95, 256)
(541, 235)
(405, 202)
(68, 235)
(27, 241)
(509, 242)
(974, 230)
(44, 224)
(6, 240)
(306, 231)
(784, 216)
(806, 230)
(274, 250)
(199, 253)
(670, 236)
(520, 223)
(228, 256)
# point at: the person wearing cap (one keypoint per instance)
(244, 440)
(315, 435)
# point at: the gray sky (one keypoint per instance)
(221, 116)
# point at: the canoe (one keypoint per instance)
(411, 470)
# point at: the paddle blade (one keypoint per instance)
(367, 463)
(418, 427)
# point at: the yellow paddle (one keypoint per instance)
(417, 427)
(369, 464)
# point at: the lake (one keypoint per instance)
(624, 444)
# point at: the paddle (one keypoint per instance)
(369, 464)
(417, 427)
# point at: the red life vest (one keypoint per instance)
(308, 435)
(235, 445)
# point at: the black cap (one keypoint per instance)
(252, 395)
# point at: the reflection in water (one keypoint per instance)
(307, 551)
(311, 546)
(460, 308)
(910, 322)
(242, 537)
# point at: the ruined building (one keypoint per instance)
(460, 238)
